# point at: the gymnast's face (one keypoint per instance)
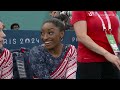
(51, 35)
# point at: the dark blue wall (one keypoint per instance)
(30, 38)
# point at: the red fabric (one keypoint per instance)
(6, 65)
(95, 31)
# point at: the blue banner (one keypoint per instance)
(29, 38)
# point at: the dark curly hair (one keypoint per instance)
(14, 24)
(58, 23)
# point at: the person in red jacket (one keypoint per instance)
(98, 38)
(6, 60)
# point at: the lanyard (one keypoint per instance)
(108, 20)
(110, 37)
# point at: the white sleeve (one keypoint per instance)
(72, 64)
(7, 70)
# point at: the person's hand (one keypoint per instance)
(113, 59)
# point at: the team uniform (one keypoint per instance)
(45, 66)
(6, 65)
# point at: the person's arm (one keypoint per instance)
(38, 66)
(72, 64)
(80, 28)
(7, 71)
(119, 35)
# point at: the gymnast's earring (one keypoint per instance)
(61, 39)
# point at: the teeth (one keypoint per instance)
(47, 42)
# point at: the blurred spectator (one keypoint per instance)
(54, 13)
(68, 13)
(15, 26)
(65, 19)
